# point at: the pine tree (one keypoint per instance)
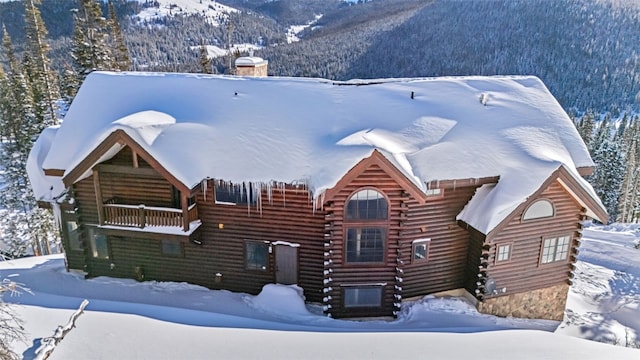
(90, 46)
(122, 61)
(205, 61)
(586, 125)
(42, 79)
(24, 224)
(609, 169)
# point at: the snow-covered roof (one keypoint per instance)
(250, 61)
(315, 130)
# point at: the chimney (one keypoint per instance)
(251, 66)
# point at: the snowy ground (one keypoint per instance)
(131, 320)
(212, 10)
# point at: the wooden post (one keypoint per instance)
(98, 191)
(141, 216)
(135, 158)
(185, 211)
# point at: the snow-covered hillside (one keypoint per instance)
(214, 11)
(151, 320)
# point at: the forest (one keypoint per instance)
(585, 51)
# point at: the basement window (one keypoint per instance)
(362, 296)
(171, 247)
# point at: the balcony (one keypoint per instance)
(141, 216)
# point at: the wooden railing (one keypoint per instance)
(142, 216)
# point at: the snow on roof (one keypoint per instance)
(314, 130)
(250, 61)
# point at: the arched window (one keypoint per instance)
(366, 215)
(539, 209)
(367, 204)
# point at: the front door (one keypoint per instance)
(286, 264)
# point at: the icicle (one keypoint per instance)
(203, 185)
(57, 214)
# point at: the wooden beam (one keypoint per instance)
(98, 191)
(54, 172)
(135, 158)
(185, 211)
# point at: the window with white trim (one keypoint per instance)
(362, 296)
(503, 252)
(555, 249)
(420, 250)
(366, 223)
(538, 210)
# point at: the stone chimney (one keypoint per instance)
(251, 66)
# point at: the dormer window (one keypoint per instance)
(366, 220)
(538, 210)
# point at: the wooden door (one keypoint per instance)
(286, 264)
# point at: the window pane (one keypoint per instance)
(420, 251)
(365, 244)
(504, 252)
(562, 248)
(539, 209)
(235, 194)
(171, 247)
(99, 246)
(73, 235)
(367, 204)
(548, 250)
(257, 256)
(363, 297)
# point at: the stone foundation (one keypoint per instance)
(548, 303)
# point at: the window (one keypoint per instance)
(366, 215)
(420, 250)
(367, 204)
(73, 235)
(539, 209)
(366, 296)
(256, 255)
(99, 245)
(171, 247)
(227, 193)
(555, 249)
(365, 244)
(503, 253)
(437, 192)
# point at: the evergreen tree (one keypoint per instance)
(609, 169)
(586, 125)
(205, 61)
(90, 46)
(42, 79)
(122, 61)
(24, 224)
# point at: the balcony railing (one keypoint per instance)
(142, 216)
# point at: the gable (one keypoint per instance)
(571, 187)
(379, 164)
(116, 147)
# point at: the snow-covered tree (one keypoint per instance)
(122, 60)
(23, 224)
(610, 168)
(11, 329)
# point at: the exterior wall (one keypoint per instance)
(258, 70)
(546, 303)
(444, 269)
(287, 216)
(524, 272)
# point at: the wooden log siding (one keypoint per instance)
(125, 157)
(446, 267)
(338, 272)
(524, 271)
(288, 216)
